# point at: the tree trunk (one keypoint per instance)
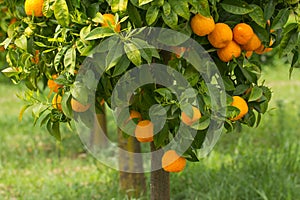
(160, 179)
(97, 138)
(133, 184)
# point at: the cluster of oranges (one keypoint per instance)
(171, 161)
(35, 7)
(229, 42)
(144, 131)
(57, 99)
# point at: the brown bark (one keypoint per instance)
(160, 179)
(133, 184)
(99, 132)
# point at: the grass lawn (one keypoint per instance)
(260, 163)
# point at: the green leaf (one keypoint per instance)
(257, 15)
(45, 119)
(118, 5)
(241, 89)
(187, 109)
(256, 93)
(61, 12)
(152, 14)
(289, 40)
(24, 108)
(172, 38)
(269, 9)
(201, 6)
(100, 32)
(66, 105)
(121, 66)
(261, 32)
(84, 32)
(229, 85)
(70, 59)
(55, 131)
(10, 72)
(80, 92)
(114, 55)
(203, 123)
(236, 7)
(21, 42)
(165, 92)
(147, 51)
(166, 8)
(161, 138)
(133, 54)
(47, 11)
(181, 8)
(134, 15)
(281, 19)
(144, 2)
(171, 20)
(188, 94)
(59, 55)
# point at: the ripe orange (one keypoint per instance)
(202, 25)
(227, 53)
(172, 162)
(36, 58)
(242, 33)
(253, 43)
(248, 54)
(110, 18)
(262, 49)
(242, 105)
(53, 85)
(179, 51)
(56, 102)
(34, 7)
(144, 131)
(102, 102)
(187, 120)
(134, 115)
(221, 35)
(78, 107)
(13, 20)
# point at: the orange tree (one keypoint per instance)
(52, 40)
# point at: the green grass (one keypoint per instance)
(260, 163)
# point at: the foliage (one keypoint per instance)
(59, 42)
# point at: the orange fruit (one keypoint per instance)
(144, 131)
(187, 120)
(36, 58)
(242, 33)
(172, 162)
(248, 54)
(253, 43)
(179, 51)
(110, 18)
(13, 20)
(102, 102)
(53, 85)
(134, 115)
(242, 105)
(202, 25)
(56, 102)
(221, 35)
(78, 107)
(34, 7)
(262, 49)
(227, 53)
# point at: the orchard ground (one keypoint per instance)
(260, 163)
